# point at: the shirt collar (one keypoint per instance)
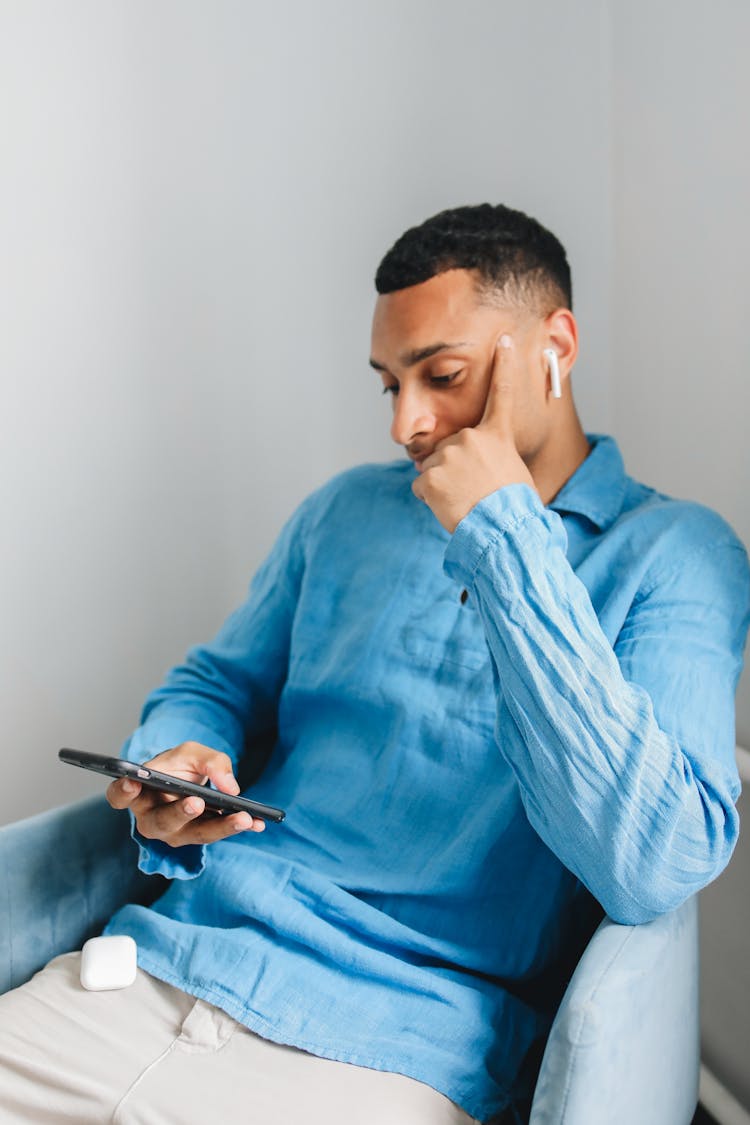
(597, 488)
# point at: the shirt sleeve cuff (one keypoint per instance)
(501, 513)
(157, 858)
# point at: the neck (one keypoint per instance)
(556, 461)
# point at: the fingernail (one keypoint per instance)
(192, 807)
(129, 787)
(229, 783)
(505, 341)
(242, 823)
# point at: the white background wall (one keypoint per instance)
(193, 202)
(680, 389)
(681, 361)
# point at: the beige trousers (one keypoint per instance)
(153, 1055)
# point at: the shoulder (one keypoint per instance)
(680, 536)
(674, 522)
(363, 478)
(370, 491)
(365, 499)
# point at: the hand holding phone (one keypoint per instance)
(170, 803)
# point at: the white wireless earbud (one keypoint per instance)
(554, 372)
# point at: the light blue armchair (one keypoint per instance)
(624, 1046)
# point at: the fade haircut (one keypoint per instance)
(517, 261)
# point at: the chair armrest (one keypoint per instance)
(63, 874)
(624, 1045)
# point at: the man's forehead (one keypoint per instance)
(442, 314)
(453, 288)
(449, 299)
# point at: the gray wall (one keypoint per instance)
(193, 201)
(681, 299)
(681, 362)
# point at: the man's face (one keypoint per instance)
(434, 344)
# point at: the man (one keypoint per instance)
(498, 680)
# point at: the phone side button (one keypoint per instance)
(143, 773)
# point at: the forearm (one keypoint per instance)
(226, 692)
(223, 698)
(611, 791)
(171, 724)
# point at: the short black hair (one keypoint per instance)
(516, 259)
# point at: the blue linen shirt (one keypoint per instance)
(464, 778)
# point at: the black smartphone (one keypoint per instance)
(216, 801)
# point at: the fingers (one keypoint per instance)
(177, 821)
(181, 822)
(195, 762)
(122, 793)
(498, 409)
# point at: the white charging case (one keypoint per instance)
(108, 962)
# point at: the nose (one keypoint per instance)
(412, 416)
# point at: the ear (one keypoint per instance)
(561, 331)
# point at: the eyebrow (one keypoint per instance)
(417, 355)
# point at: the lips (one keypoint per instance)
(418, 455)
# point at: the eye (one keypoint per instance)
(444, 380)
